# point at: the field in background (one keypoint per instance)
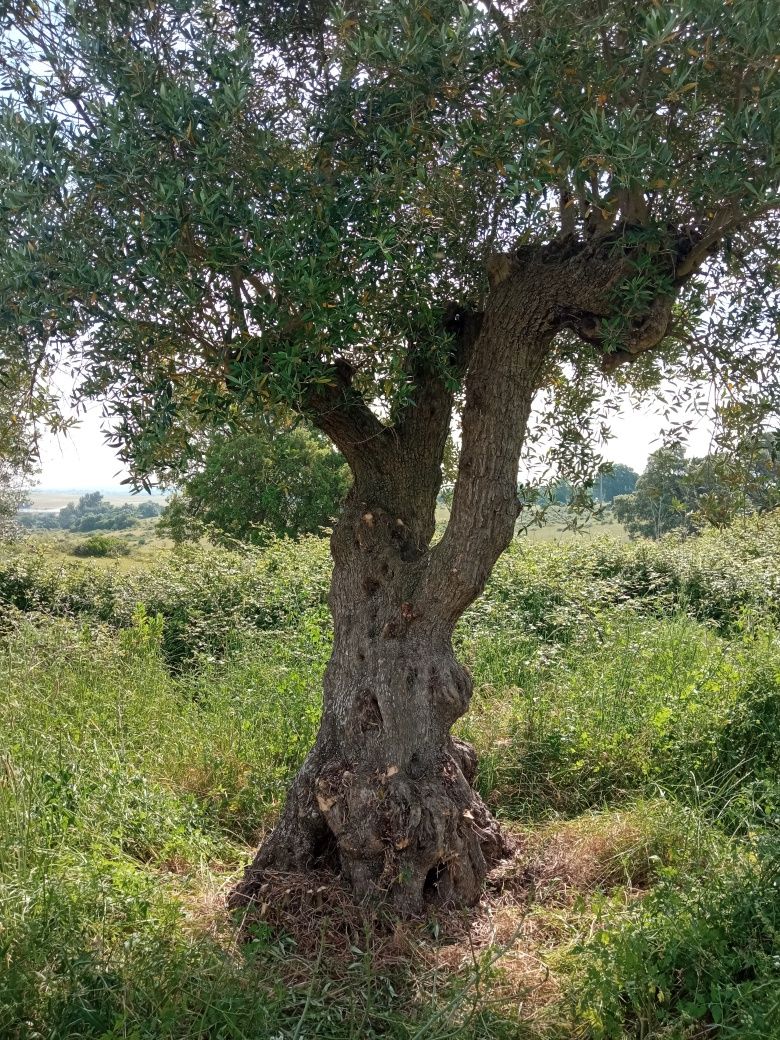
(145, 548)
(627, 717)
(48, 501)
(555, 528)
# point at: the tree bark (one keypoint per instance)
(385, 796)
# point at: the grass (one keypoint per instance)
(626, 711)
(143, 548)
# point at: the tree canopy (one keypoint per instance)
(214, 206)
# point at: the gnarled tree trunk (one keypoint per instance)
(385, 796)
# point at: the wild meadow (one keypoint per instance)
(627, 718)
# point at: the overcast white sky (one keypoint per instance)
(82, 461)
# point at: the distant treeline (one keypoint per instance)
(617, 479)
(676, 493)
(91, 513)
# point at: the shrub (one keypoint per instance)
(693, 960)
(102, 546)
(211, 599)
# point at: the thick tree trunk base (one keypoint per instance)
(385, 800)
(411, 842)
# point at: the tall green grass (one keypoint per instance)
(626, 711)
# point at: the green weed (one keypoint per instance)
(626, 712)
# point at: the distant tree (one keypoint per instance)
(716, 490)
(34, 521)
(90, 502)
(675, 493)
(561, 492)
(287, 482)
(92, 513)
(179, 520)
(743, 480)
(616, 479)
(660, 502)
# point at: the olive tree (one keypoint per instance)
(395, 217)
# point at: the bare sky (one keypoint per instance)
(81, 460)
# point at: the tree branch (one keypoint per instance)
(506, 360)
(431, 406)
(728, 218)
(341, 412)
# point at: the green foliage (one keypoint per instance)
(271, 482)
(659, 503)
(128, 801)
(632, 707)
(207, 205)
(92, 513)
(613, 479)
(210, 752)
(12, 499)
(101, 545)
(210, 599)
(16, 455)
(679, 494)
(728, 483)
(616, 479)
(632, 689)
(683, 961)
